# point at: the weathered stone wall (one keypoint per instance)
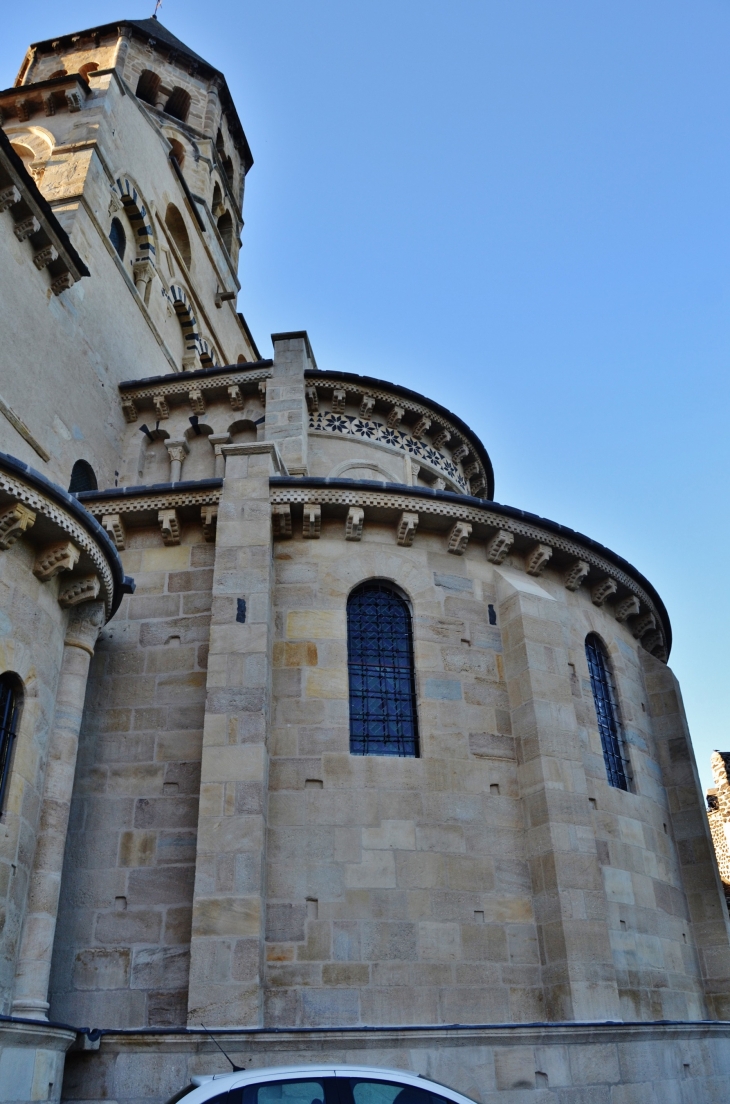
(122, 946)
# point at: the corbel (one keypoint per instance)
(235, 397)
(499, 546)
(460, 452)
(537, 559)
(281, 520)
(76, 591)
(421, 427)
(471, 469)
(23, 108)
(114, 526)
(575, 574)
(195, 398)
(339, 399)
(603, 590)
(476, 484)
(14, 521)
(459, 538)
(262, 391)
(209, 518)
(312, 398)
(73, 101)
(44, 256)
(354, 523)
(56, 558)
(653, 642)
(627, 607)
(406, 531)
(9, 197)
(367, 405)
(162, 410)
(129, 410)
(49, 104)
(395, 416)
(645, 623)
(311, 520)
(442, 438)
(169, 526)
(26, 227)
(62, 282)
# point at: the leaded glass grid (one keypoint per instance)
(383, 717)
(604, 698)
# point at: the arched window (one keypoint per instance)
(11, 696)
(225, 229)
(383, 717)
(177, 151)
(82, 478)
(604, 698)
(118, 238)
(176, 225)
(178, 104)
(148, 86)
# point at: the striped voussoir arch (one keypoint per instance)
(137, 214)
(188, 322)
(207, 353)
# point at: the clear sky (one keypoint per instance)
(519, 208)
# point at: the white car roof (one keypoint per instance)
(221, 1082)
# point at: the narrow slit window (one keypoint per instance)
(383, 719)
(604, 698)
(10, 700)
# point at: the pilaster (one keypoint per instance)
(287, 419)
(579, 978)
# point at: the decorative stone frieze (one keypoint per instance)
(310, 393)
(162, 410)
(537, 559)
(395, 416)
(421, 427)
(9, 197)
(14, 521)
(56, 558)
(575, 574)
(459, 538)
(603, 590)
(209, 518)
(281, 520)
(367, 405)
(339, 399)
(406, 531)
(115, 528)
(217, 382)
(442, 438)
(144, 505)
(627, 607)
(499, 546)
(86, 588)
(311, 520)
(177, 451)
(195, 398)
(643, 624)
(26, 227)
(235, 397)
(169, 526)
(44, 256)
(354, 523)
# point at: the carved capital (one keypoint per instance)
(129, 410)
(422, 426)
(281, 520)
(235, 397)
(459, 538)
(311, 520)
(56, 558)
(177, 450)
(367, 405)
(603, 590)
(442, 438)
(26, 227)
(627, 607)
(142, 273)
(84, 623)
(395, 416)
(499, 546)
(354, 523)
(169, 526)
(209, 518)
(14, 521)
(114, 526)
(76, 591)
(195, 398)
(406, 531)
(339, 399)
(162, 410)
(537, 559)
(575, 574)
(312, 398)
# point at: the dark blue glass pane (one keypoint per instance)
(603, 697)
(382, 686)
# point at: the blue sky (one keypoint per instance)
(521, 210)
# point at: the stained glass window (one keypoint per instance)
(383, 717)
(604, 698)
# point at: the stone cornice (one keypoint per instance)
(140, 501)
(178, 386)
(439, 509)
(60, 518)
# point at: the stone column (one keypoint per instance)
(287, 419)
(700, 878)
(579, 978)
(216, 441)
(177, 451)
(36, 947)
(225, 987)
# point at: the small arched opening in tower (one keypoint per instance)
(118, 238)
(83, 477)
(225, 229)
(58, 73)
(84, 71)
(178, 104)
(148, 86)
(178, 151)
(217, 206)
(176, 225)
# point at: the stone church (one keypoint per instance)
(305, 738)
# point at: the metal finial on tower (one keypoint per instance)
(158, 4)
